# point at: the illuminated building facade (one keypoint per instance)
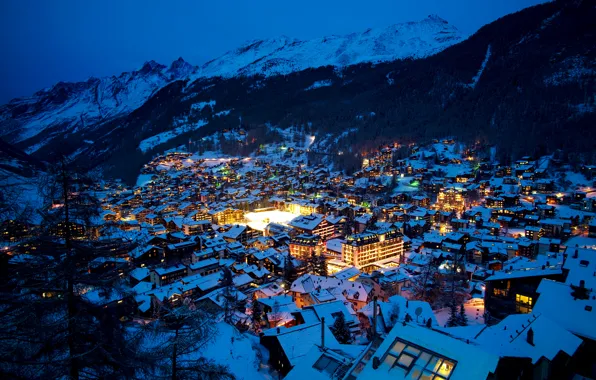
(364, 249)
(304, 246)
(451, 199)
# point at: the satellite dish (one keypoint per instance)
(418, 311)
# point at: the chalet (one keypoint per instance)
(314, 224)
(204, 267)
(147, 254)
(240, 234)
(179, 250)
(166, 275)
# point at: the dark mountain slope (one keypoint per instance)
(524, 82)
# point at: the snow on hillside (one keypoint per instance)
(66, 108)
(284, 55)
(199, 106)
(571, 70)
(319, 84)
(160, 138)
(481, 70)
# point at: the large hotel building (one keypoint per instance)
(367, 248)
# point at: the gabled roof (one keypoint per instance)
(509, 338)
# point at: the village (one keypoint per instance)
(436, 263)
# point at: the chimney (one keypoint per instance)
(576, 254)
(278, 330)
(530, 336)
(323, 332)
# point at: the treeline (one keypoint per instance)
(55, 321)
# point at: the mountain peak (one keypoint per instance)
(149, 66)
(283, 55)
(437, 18)
(180, 68)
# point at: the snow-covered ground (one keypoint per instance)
(259, 220)
(143, 179)
(237, 351)
(474, 311)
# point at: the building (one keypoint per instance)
(304, 246)
(513, 291)
(314, 224)
(164, 276)
(410, 351)
(364, 249)
(226, 216)
(451, 199)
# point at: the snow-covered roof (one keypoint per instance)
(308, 222)
(581, 267)
(557, 303)
(471, 361)
(140, 274)
(509, 338)
(298, 340)
(347, 273)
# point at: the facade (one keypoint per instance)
(514, 291)
(227, 216)
(364, 249)
(304, 246)
(451, 199)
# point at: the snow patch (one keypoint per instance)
(481, 70)
(160, 138)
(319, 84)
(199, 106)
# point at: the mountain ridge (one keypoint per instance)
(520, 82)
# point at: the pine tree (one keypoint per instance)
(319, 265)
(257, 312)
(463, 319)
(290, 272)
(453, 316)
(341, 331)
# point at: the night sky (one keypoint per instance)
(44, 41)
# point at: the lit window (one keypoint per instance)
(418, 363)
(523, 304)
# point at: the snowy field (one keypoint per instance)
(259, 220)
(474, 311)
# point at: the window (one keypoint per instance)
(418, 363)
(500, 292)
(326, 364)
(523, 304)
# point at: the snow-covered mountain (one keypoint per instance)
(284, 55)
(66, 108)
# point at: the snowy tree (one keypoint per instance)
(340, 330)
(176, 344)
(393, 315)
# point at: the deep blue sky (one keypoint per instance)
(43, 42)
